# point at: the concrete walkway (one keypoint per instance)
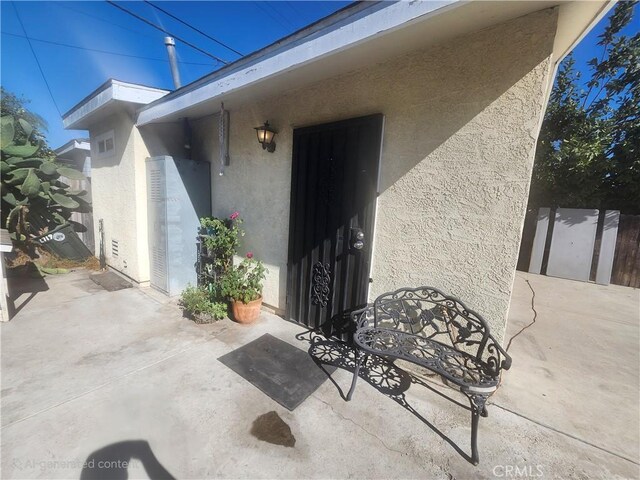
(120, 377)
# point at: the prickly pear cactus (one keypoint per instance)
(34, 198)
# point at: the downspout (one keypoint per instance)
(175, 74)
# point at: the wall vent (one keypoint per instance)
(155, 183)
(115, 247)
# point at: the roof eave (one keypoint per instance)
(88, 111)
(348, 28)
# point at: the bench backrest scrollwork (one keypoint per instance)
(428, 312)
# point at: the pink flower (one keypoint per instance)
(234, 215)
(249, 254)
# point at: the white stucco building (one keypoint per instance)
(448, 98)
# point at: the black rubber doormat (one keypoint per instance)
(110, 281)
(282, 371)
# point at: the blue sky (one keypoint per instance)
(72, 73)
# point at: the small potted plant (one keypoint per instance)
(242, 285)
(197, 304)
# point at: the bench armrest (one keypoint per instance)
(497, 357)
(362, 317)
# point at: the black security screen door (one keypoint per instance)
(333, 197)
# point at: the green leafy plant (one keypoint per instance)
(196, 301)
(243, 283)
(222, 237)
(34, 198)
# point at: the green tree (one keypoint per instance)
(15, 106)
(588, 153)
(35, 200)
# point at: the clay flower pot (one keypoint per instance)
(246, 312)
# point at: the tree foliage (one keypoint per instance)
(15, 106)
(588, 153)
(35, 198)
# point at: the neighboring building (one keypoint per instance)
(436, 176)
(76, 153)
(118, 177)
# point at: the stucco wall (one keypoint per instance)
(119, 194)
(461, 121)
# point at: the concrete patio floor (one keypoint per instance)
(84, 369)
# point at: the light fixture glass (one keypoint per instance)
(265, 136)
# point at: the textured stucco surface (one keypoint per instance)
(119, 192)
(461, 120)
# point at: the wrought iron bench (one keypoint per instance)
(438, 332)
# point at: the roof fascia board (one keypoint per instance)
(566, 11)
(368, 23)
(109, 92)
(70, 145)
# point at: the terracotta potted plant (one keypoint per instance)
(242, 285)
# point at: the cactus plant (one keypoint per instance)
(34, 199)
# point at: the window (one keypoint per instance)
(104, 144)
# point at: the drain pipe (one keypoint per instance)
(170, 43)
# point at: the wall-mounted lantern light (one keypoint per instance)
(265, 137)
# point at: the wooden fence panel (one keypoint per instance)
(626, 263)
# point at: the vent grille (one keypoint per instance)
(156, 193)
(159, 267)
(115, 248)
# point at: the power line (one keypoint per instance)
(280, 12)
(100, 51)
(258, 3)
(158, 27)
(295, 8)
(193, 28)
(109, 22)
(36, 58)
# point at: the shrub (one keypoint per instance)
(222, 237)
(196, 302)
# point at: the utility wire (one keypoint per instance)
(109, 22)
(193, 28)
(258, 3)
(158, 27)
(280, 12)
(36, 58)
(293, 7)
(100, 51)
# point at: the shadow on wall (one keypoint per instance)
(164, 139)
(114, 462)
(468, 89)
(122, 126)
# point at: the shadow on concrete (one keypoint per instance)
(25, 280)
(380, 373)
(113, 461)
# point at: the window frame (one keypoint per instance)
(104, 139)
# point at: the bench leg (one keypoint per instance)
(356, 372)
(477, 409)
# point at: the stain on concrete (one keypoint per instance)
(271, 428)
